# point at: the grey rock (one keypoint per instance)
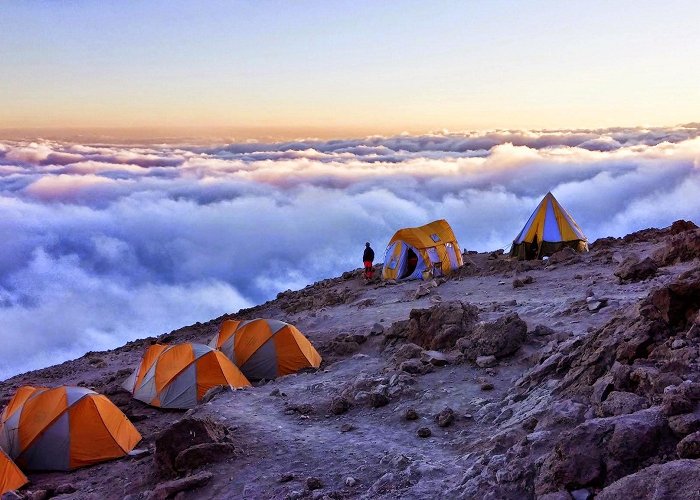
(486, 361)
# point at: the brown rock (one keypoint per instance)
(445, 417)
(378, 399)
(501, 338)
(601, 449)
(168, 490)
(202, 454)
(339, 405)
(314, 483)
(183, 435)
(632, 269)
(682, 247)
(621, 403)
(436, 328)
(412, 366)
(424, 432)
(689, 446)
(675, 404)
(676, 480)
(684, 424)
(65, 489)
(411, 414)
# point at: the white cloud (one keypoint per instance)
(102, 244)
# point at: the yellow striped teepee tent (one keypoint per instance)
(549, 229)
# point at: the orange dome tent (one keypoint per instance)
(178, 376)
(11, 478)
(264, 348)
(64, 428)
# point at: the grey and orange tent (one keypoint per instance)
(412, 250)
(264, 348)
(178, 376)
(64, 428)
(11, 478)
(549, 229)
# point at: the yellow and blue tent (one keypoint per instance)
(549, 229)
(413, 250)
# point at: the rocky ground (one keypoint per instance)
(576, 377)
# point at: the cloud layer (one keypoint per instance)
(105, 243)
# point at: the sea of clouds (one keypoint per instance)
(105, 243)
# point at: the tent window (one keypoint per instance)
(435, 237)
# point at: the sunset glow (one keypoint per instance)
(250, 69)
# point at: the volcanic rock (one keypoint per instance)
(500, 338)
(436, 328)
(190, 442)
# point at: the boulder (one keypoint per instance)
(679, 301)
(179, 447)
(435, 358)
(684, 424)
(632, 269)
(682, 247)
(500, 338)
(676, 480)
(406, 352)
(601, 450)
(566, 255)
(675, 403)
(621, 403)
(689, 446)
(436, 328)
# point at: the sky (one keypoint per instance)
(106, 243)
(333, 68)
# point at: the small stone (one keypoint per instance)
(412, 366)
(411, 414)
(486, 386)
(678, 344)
(445, 417)
(275, 392)
(424, 432)
(314, 483)
(347, 428)
(434, 358)
(378, 399)
(361, 397)
(581, 494)
(377, 329)
(285, 478)
(339, 405)
(65, 489)
(350, 481)
(486, 361)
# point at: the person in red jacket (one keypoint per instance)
(368, 258)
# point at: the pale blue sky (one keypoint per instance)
(362, 65)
